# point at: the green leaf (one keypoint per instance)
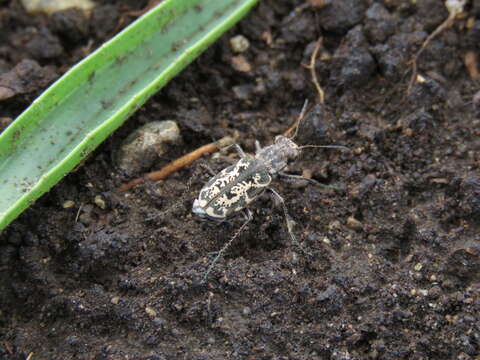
(74, 115)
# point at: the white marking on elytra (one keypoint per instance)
(235, 187)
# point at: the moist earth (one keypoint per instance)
(394, 271)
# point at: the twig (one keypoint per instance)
(179, 163)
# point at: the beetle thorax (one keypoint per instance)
(277, 155)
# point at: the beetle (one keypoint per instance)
(235, 187)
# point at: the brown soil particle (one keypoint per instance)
(396, 253)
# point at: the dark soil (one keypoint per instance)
(395, 271)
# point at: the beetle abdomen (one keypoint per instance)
(232, 189)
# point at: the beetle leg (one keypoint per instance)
(240, 151)
(208, 168)
(226, 159)
(311, 181)
(186, 193)
(249, 217)
(290, 222)
(258, 147)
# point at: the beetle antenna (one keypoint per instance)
(341, 147)
(300, 118)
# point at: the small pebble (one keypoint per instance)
(243, 92)
(100, 202)
(418, 267)
(239, 43)
(49, 6)
(241, 64)
(423, 292)
(115, 300)
(150, 312)
(68, 204)
(246, 311)
(354, 224)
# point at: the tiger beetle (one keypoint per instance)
(235, 187)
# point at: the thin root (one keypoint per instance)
(442, 27)
(179, 163)
(311, 67)
(321, 93)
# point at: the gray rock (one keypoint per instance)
(342, 15)
(379, 23)
(353, 65)
(239, 43)
(143, 147)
